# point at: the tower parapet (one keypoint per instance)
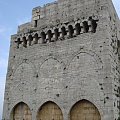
(63, 11)
(60, 20)
(65, 60)
(59, 32)
(60, 12)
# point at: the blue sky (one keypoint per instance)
(12, 14)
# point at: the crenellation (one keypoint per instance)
(62, 11)
(66, 57)
(24, 28)
(53, 34)
(48, 10)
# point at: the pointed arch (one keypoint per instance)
(51, 65)
(98, 60)
(21, 111)
(23, 73)
(84, 110)
(55, 58)
(49, 110)
(27, 62)
(88, 66)
(51, 72)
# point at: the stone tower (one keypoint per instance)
(64, 64)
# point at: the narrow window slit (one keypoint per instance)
(92, 24)
(71, 31)
(36, 38)
(50, 35)
(30, 39)
(18, 42)
(43, 36)
(77, 28)
(85, 26)
(63, 31)
(24, 42)
(56, 31)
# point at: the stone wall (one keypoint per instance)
(74, 58)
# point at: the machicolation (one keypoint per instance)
(65, 64)
(59, 32)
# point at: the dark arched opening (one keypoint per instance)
(50, 35)
(85, 26)
(77, 28)
(18, 42)
(21, 112)
(24, 42)
(56, 31)
(43, 36)
(93, 24)
(84, 110)
(71, 31)
(49, 111)
(36, 38)
(63, 31)
(30, 39)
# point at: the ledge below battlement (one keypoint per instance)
(24, 28)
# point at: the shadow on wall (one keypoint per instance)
(65, 32)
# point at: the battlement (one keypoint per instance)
(63, 11)
(42, 12)
(65, 60)
(60, 32)
(60, 20)
(60, 12)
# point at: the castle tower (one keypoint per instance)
(64, 64)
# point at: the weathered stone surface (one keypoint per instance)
(69, 52)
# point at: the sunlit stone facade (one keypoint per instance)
(64, 64)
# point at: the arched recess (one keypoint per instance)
(50, 72)
(30, 39)
(51, 65)
(36, 38)
(24, 61)
(21, 111)
(22, 83)
(82, 62)
(49, 111)
(71, 31)
(18, 42)
(77, 28)
(63, 31)
(23, 72)
(83, 71)
(43, 36)
(85, 26)
(97, 59)
(24, 41)
(56, 31)
(84, 110)
(50, 35)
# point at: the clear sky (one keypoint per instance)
(12, 14)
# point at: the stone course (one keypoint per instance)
(70, 51)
